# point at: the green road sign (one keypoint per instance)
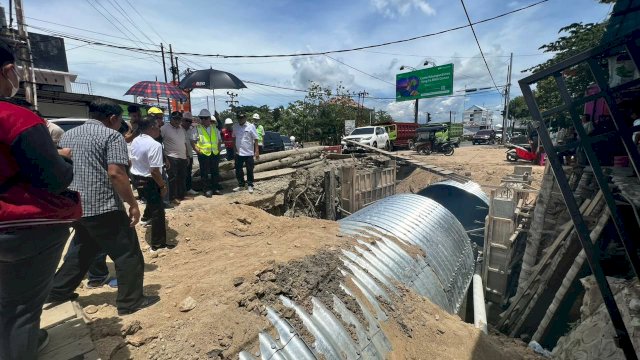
(425, 83)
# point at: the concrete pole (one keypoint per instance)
(507, 94)
(26, 59)
(415, 115)
(479, 310)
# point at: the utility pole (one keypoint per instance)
(172, 69)
(164, 69)
(232, 100)
(506, 100)
(361, 96)
(26, 59)
(415, 114)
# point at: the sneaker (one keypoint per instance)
(239, 188)
(145, 303)
(43, 339)
(96, 284)
(192, 192)
(250, 188)
(113, 283)
(217, 192)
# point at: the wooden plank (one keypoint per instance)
(551, 250)
(57, 315)
(68, 341)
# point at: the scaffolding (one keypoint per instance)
(594, 60)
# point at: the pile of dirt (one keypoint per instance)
(233, 260)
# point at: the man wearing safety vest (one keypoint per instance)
(206, 143)
(259, 129)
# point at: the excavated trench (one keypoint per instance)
(336, 304)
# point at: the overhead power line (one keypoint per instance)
(330, 51)
(479, 47)
(360, 71)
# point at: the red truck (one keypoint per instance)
(401, 134)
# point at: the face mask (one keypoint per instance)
(14, 87)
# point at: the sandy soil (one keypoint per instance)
(231, 261)
(484, 164)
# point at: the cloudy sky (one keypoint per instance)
(253, 27)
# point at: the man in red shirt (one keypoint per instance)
(36, 211)
(227, 137)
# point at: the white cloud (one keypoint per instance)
(394, 8)
(321, 70)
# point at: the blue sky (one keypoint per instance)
(287, 26)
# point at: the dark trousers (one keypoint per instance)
(98, 271)
(111, 232)
(177, 175)
(189, 181)
(231, 154)
(241, 161)
(154, 210)
(209, 172)
(28, 261)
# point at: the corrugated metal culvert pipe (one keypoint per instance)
(398, 225)
(466, 201)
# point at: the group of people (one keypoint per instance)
(50, 182)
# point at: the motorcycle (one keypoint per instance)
(426, 142)
(520, 152)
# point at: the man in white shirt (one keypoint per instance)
(176, 149)
(146, 171)
(246, 137)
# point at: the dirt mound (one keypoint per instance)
(231, 261)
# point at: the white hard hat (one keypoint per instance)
(292, 138)
(256, 116)
(228, 121)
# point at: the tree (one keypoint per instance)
(579, 37)
(518, 109)
(382, 117)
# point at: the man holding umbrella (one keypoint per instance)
(206, 143)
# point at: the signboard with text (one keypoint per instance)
(425, 83)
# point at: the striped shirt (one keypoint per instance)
(94, 147)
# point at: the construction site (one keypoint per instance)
(400, 254)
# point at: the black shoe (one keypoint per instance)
(208, 194)
(145, 303)
(54, 301)
(43, 339)
(217, 192)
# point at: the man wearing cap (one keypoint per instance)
(176, 149)
(206, 142)
(246, 146)
(227, 137)
(259, 130)
(187, 125)
(35, 214)
(158, 114)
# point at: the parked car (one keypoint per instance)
(68, 123)
(374, 136)
(287, 142)
(484, 137)
(272, 142)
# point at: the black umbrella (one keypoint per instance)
(211, 79)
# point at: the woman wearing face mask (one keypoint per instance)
(36, 211)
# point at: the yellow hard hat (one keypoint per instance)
(154, 111)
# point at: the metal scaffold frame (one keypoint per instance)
(623, 132)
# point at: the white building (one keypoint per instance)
(477, 117)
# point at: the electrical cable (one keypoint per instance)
(335, 51)
(479, 47)
(360, 71)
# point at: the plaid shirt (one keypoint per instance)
(94, 146)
